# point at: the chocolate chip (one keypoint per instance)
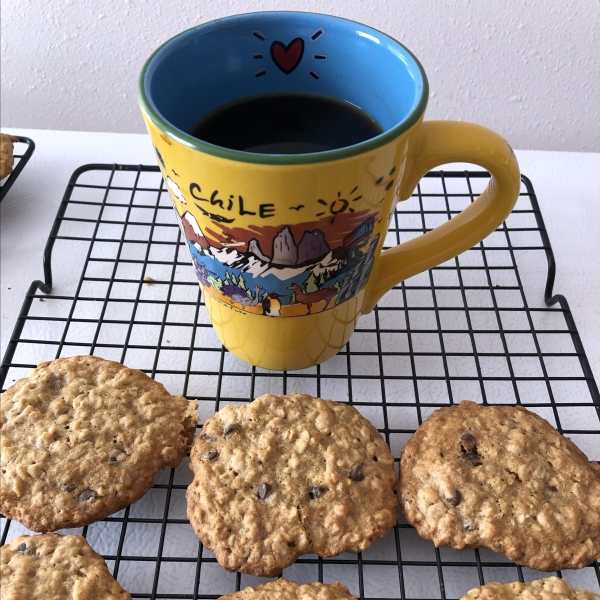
(263, 490)
(57, 382)
(88, 495)
(22, 547)
(514, 474)
(231, 429)
(356, 473)
(455, 499)
(468, 443)
(292, 544)
(473, 459)
(212, 455)
(316, 492)
(207, 437)
(553, 488)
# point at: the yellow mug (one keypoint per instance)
(288, 247)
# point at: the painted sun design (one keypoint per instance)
(287, 57)
(339, 205)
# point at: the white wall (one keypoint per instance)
(529, 69)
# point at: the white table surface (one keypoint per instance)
(568, 190)
(567, 185)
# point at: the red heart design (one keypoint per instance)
(287, 58)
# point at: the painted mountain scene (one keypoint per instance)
(290, 270)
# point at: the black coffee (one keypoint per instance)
(286, 124)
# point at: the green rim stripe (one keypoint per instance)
(288, 159)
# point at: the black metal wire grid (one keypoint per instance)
(474, 327)
(21, 156)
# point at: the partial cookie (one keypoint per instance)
(6, 154)
(55, 567)
(552, 588)
(289, 590)
(83, 437)
(289, 475)
(504, 478)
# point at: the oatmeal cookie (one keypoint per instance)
(289, 475)
(6, 154)
(83, 437)
(504, 478)
(289, 590)
(54, 567)
(552, 588)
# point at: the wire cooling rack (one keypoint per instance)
(21, 156)
(478, 326)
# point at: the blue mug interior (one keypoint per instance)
(237, 57)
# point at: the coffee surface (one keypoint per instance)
(289, 123)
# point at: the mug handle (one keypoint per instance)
(442, 142)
